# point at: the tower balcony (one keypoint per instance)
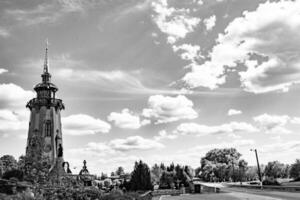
(48, 102)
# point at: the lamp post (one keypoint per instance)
(258, 167)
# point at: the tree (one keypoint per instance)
(295, 170)
(242, 169)
(274, 169)
(220, 164)
(120, 171)
(103, 176)
(156, 172)
(8, 163)
(141, 178)
(21, 163)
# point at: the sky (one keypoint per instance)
(157, 80)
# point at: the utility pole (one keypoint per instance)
(258, 166)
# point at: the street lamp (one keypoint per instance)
(258, 167)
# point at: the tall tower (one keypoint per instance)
(44, 150)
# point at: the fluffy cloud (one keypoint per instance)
(210, 22)
(234, 112)
(13, 96)
(13, 114)
(272, 123)
(175, 23)
(188, 51)
(82, 124)
(126, 119)
(4, 32)
(164, 135)
(201, 130)
(271, 35)
(164, 109)
(134, 143)
(3, 70)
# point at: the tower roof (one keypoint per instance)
(46, 76)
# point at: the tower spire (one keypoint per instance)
(46, 75)
(46, 62)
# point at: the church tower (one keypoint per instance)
(44, 150)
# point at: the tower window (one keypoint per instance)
(48, 128)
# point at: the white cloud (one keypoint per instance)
(134, 143)
(201, 130)
(13, 96)
(272, 123)
(188, 51)
(4, 32)
(126, 119)
(164, 135)
(164, 109)
(234, 112)
(81, 124)
(210, 22)
(273, 35)
(175, 23)
(3, 70)
(13, 114)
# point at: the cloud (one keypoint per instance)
(81, 124)
(13, 114)
(13, 96)
(272, 123)
(202, 130)
(188, 51)
(11, 121)
(165, 109)
(210, 22)
(134, 143)
(234, 112)
(126, 119)
(250, 39)
(49, 12)
(175, 23)
(164, 135)
(4, 32)
(3, 70)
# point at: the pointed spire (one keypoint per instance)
(46, 76)
(46, 62)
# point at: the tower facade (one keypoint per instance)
(44, 150)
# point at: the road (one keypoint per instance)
(236, 194)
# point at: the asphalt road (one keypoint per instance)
(237, 194)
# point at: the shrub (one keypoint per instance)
(14, 173)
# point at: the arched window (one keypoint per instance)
(48, 128)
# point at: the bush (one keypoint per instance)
(15, 173)
(270, 181)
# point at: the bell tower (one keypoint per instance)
(44, 149)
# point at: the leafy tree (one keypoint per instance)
(156, 172)
(21, 163)
(112, 174)
(120, 171)
(274, 169)
(220, 164)
(103, 176)
(14, 173)
(8, 163)
(167, 180)
(242, 169)
(171, 167)
(295, 170)
(251, 173)
(141, 178)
